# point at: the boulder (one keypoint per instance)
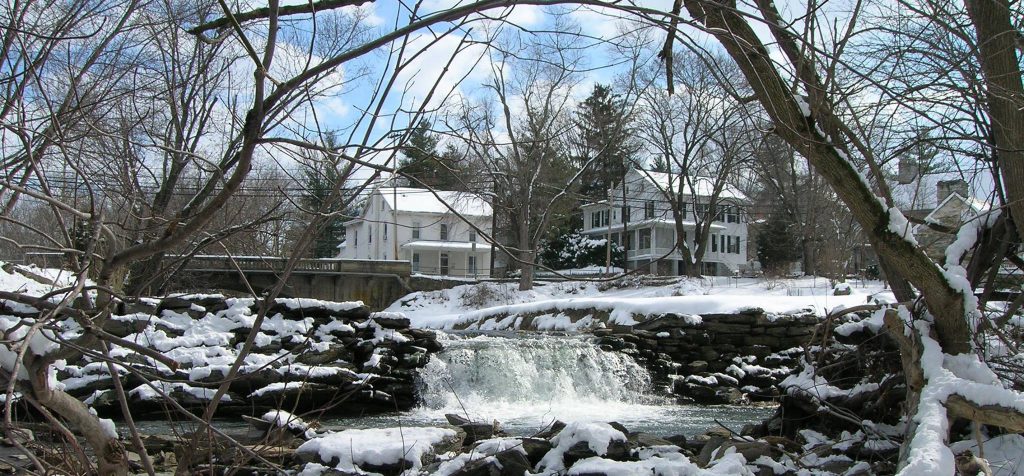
(388, 451)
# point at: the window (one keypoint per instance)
(735, 246)
(599, 219)
(472, 237)
(682, 207)
(644, 238)
(722, 239)
(700, 211)
(444, 232)
(728, 242)
(625, 213)
(714, 243)
(720, 212)
(369, 231)
(444, 263)
(385, 233)
(415, 262)
(649, 209)
(415, 230)
(732, 215)
(471, 265)
(355, 237)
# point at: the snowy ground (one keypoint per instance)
(446, 308)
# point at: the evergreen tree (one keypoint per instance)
(424, 165)
(777, 243)
(603, 141)
(574, 250)
(320, 177)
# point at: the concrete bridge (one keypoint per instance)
(376, 283)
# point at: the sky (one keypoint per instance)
(463, 74)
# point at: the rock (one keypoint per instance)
(712, 444)
(697, 366)
(535, 449)
(752, 450)
(391, 320)
(388, 451)
(506, 463)
(477, 431)
(617, 451)
(710, 395)
(665, 321)
(456, 420)
(21, 436)
(513, 462)
(551, 431)
(641, 439)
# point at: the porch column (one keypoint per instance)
(654, 248)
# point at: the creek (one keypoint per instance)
(526, 382)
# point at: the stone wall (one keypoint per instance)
(308, 355)
(724, 358)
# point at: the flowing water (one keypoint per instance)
(527, 382)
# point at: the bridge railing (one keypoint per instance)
(274, 263)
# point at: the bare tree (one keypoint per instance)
(701, 135)
(530, 167)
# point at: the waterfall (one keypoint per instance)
(514, 377)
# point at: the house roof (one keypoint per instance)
(702, 186)
(447, 245)
(419, 200)
(974, 205)
(644, 223)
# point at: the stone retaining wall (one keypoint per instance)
(725, 358)
(308, 355)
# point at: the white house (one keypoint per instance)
(419, 225)
(955, 207)
(650, 226)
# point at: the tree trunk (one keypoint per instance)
(998, 42)
(526, 270)
(110, 454)
(944, 302)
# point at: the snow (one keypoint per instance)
(306, 303)
(597, 436)
(873, 324)
(965, 376)
(418, 200)
(283, 419)
(158, 389)
(807, 381)
(704, 186)
(900, 226)
(667, 465)
(377, 447)
(1003, 453)
(492, 306)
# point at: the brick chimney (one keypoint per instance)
(908, 171)
(946, 188)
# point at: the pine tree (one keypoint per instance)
(320, 178)
(777, 244)
(424, 166)
(603, 141)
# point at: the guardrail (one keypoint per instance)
(273, 263)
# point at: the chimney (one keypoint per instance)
(946, 188)
(908, 171)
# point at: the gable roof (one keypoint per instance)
(703, 185)
(421, 200)
(974, 206)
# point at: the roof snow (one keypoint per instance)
(704, 186)
(421, 200)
